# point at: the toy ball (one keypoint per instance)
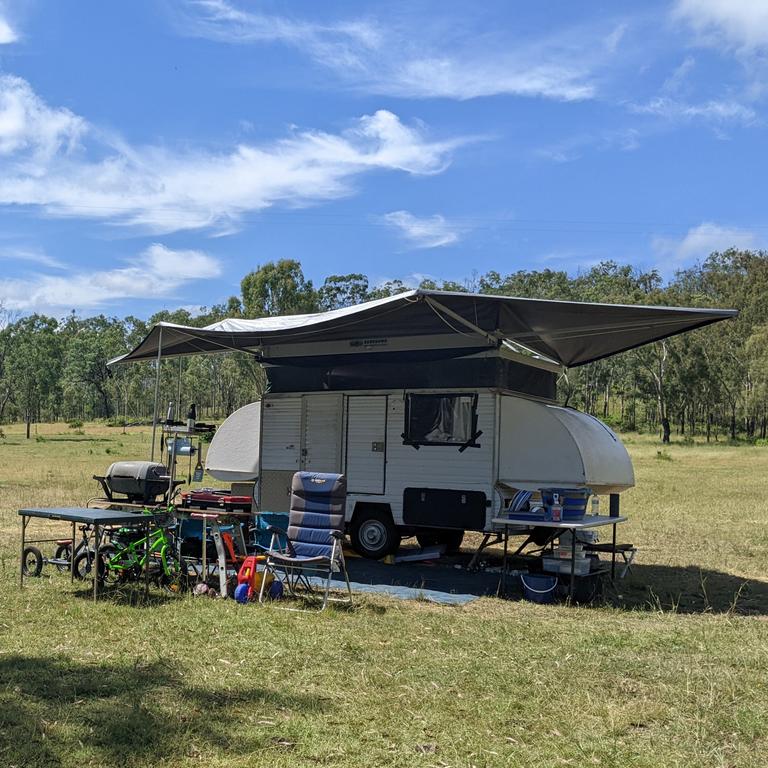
(276, 590)
(241, 593)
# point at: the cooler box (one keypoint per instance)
(573, 501)
(260, 536)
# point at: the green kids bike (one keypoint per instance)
(126, 557)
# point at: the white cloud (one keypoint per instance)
(429, 232)
(43, 162)
(28, 126)
(741, 24)
(699, 242)
(7, 33)
(714, 110)
(679, 77)
(396, 62)
(29, 254)
(157, 272)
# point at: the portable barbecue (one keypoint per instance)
(137, 481)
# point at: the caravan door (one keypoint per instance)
(321, 430)
(366, 443)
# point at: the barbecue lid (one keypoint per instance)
(138, 470)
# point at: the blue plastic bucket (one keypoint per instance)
(573, 501)
(538, 587)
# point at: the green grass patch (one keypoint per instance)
(672, 671)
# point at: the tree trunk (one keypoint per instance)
(665, 430)
(29, 424)
(733, 422)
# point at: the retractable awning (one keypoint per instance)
(566, 332)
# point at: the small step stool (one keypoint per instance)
(627, 551)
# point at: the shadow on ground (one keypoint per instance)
(646, 587)
(57, 712)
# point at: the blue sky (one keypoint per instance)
(154, 151)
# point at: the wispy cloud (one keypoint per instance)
(7, 33)
(54, 159)
(392, 60)
(737, 24)
(699, 242)
(157, 272)
(717, 111)
(573, 148)
(29, 254)
(428, 232)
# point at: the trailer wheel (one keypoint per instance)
(373, 533)
(63, 552)
(451, 538)
(32, 561)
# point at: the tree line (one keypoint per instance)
(711, 382)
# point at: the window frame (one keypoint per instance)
(462, 446)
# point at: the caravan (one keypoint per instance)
(437, 406)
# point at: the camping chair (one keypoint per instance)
(313, 541)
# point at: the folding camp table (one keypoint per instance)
(97, 518)
(590, 521)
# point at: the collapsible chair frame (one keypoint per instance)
(294, 571)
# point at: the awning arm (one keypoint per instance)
(492, 339)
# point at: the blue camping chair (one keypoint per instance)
(312, 548)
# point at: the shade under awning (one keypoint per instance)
(568, 332)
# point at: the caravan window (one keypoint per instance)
(441, 420)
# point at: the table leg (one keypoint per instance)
(613, 556)
(573, 564)
(222, 557)
(504, 562)
(95, 567)
(24, 521)
(204, 553)
(146, 559)
(72, 555)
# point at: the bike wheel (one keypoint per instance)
(32, 561)
(84, 564)
(175, 578)
(63, 552)
(108, 573)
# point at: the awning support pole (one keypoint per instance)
(157, 392)
(438, 307)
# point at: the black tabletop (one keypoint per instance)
(86, 515)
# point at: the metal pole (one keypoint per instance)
(178, 393)
(24, 520)
(157, 392)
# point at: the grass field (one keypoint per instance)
(673, 671)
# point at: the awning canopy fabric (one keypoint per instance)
(567, 332)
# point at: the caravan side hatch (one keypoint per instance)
(366, 443)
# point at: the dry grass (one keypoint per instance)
(673, 673)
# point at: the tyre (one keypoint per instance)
(106, 575)
(450, 538)
(32, 561)
(84, 564)
(374, 534)
(177, 580)
(63, 552)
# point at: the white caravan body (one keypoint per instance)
(516, 443)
